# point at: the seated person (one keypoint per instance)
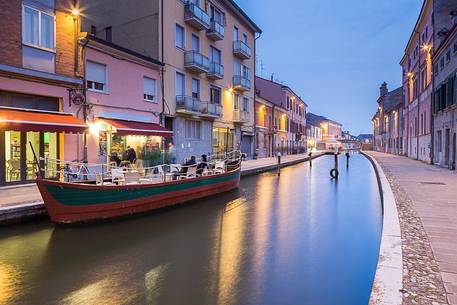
(187, 164)
(125, 160)
(115, 158)
(202, 165)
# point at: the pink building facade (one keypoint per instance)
(123, 100)
(417, 87)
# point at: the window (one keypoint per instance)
(215, 55)
(215, 95)
(96, 76)
(195, 43)
(179, 37)
(195, 88)
(245, 38)
(442, 63)
(193, 129)
(436, 69)
(109, 34)
(439, 140)
(236, 101)
(236, 67)
(180, 84)
(149, 89)
(236, 34)
(38, 28)
(448, 56)
(245, 104)
(423, 77)
(217, 15)
(455, 48)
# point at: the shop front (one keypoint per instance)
(223, 141)
(24, 132)
(115, 136)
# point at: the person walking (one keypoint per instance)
(172, 153)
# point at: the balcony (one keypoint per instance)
(211, 110)
(188, 104)
(241, 83)
(241, 49)
(240, 116)
(196, 17)
(215, 31)
(196, 62)
(216, 71)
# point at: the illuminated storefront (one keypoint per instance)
(24, 129)
(114, 136)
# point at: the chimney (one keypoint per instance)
(383, 89)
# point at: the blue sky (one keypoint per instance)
(336, 53)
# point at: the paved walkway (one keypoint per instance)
(427, 202)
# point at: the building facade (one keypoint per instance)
(37, 77)
(208, 50)
(314, 132)
(387, 122)
(264, 128)
(417, 86)
(123, 103)
(289, 116)
(445, 85)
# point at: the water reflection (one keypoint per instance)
(275, 240)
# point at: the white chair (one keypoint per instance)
(155, 176)
(132, 177)
(219, 167)
(117, 175)
(99, 180)
(191, 172)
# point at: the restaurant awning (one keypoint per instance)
(35, 120)
(125, 128)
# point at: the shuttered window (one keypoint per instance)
(149, 89)
(96, 76)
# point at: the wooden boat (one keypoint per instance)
(71, 202)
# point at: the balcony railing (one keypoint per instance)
(241, 83)
(187, 104)
(196, 17)
(211, 110)
(216, 71)
(215, 31)
(241, 49)
(240, 116)
(196, 62)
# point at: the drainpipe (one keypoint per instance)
(162, 69)
(255, 119)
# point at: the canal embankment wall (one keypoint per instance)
(388, 281)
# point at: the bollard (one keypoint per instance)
(279, 164)
(310, 154)
(334, 172)
(347, 159)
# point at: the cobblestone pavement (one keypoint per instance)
(427, 206)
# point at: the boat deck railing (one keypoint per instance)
(111, 173)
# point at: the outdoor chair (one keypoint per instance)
(219, 167)
(99, 180)
(132, 177)
(191, 172)
(117, 175)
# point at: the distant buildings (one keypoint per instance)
(285, 112)
(388, 134)
(330, 132)
(424, 125)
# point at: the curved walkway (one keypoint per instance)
(426, 198)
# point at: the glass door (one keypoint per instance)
(12, 156)
(50, 152)
(30, 166)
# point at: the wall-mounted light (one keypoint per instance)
(427, 47)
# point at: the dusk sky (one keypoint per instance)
(334, 54)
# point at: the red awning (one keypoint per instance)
(43, 121)
(125, 128)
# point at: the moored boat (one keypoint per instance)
(72, 202)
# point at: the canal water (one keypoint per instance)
(300, 238)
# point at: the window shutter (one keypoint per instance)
(450, 91)
(149, 86)
(96, 72)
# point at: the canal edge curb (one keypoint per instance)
(263, 169)
(388, 281)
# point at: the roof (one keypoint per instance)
(392, 100)
(273, 91)
(316, 120)
(91, 37)
(245, 16)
